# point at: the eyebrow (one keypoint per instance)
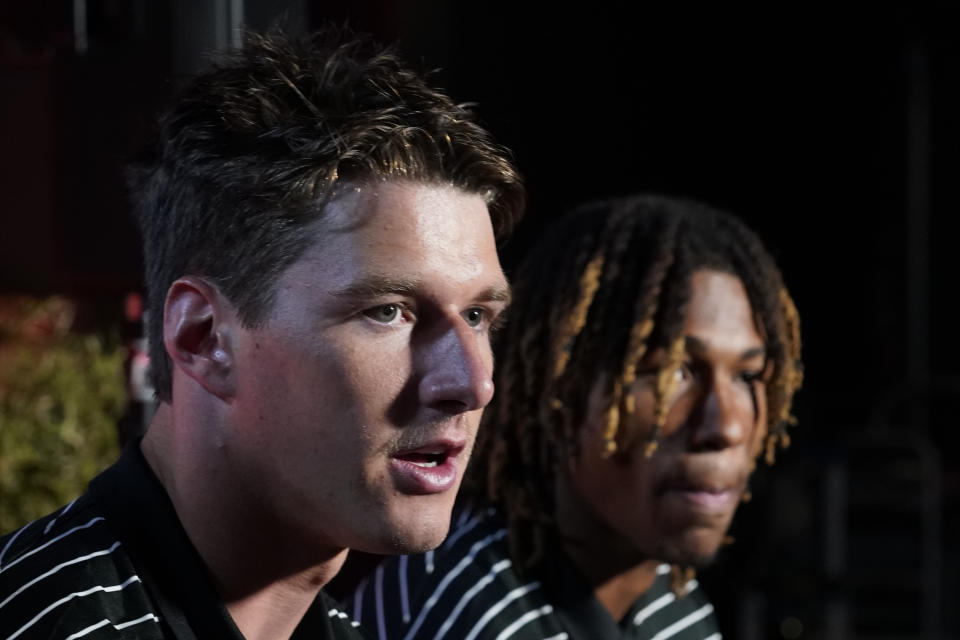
(499, 293)
(696, 344)
(379, 286)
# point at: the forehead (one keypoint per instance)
(405, 229)
(719, 312)
(431, 206)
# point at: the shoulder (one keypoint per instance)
(465, 589)
(68, 574)
(661, 613)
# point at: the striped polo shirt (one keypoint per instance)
(468, 590)
(116, 563)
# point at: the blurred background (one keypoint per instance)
(832, 131)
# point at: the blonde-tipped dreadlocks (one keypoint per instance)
(592, 317)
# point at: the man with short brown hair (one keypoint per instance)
(322, 276)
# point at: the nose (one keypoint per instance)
(724, 420)
(457, 370)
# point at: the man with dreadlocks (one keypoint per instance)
(639, 378)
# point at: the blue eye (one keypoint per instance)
(385, 313)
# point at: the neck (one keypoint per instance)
(617, 573)
(616, 583)
(266, 576)
(274, 610)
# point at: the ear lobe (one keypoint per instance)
(196, 333)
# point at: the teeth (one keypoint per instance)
(426, 465)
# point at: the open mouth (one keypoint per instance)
(432, 468)
(433, 454)
(425, 459)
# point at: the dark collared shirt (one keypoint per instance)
(116, 563)
(468, 590)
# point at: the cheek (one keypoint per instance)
(747, 404)
(619, 494)
(618, 485)
(363, 375)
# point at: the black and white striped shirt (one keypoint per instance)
(116, 563)
(468, 590)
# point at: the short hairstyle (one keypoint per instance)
(253, 148)
(607, 283)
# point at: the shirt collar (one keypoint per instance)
(138, 508)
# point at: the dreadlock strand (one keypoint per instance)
(789, 378)
(771, 448)
(680, 577)
(611, 422)
(792, 321)
(646, 308)
(636, 349)
(666, 386)
(574, 322)
(635, 354)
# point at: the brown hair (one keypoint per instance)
(253, 148)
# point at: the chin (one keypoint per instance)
(688, 558)
(416, 529)
(695, 549)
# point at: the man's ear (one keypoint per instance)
(198, 327)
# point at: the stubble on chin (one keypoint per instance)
(425, 533)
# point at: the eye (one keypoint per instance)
(752, 376)
(475, 316)
(682, 373)
(386, 313)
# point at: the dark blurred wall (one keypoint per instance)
(831, 130)
(69, 110)
(77, 95)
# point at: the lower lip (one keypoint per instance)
(706, 500)
(417, 480)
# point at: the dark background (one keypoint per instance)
(831, 131)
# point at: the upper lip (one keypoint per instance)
(701, 482)
(700, 488)
(445, 446)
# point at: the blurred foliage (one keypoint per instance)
(61, 394)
